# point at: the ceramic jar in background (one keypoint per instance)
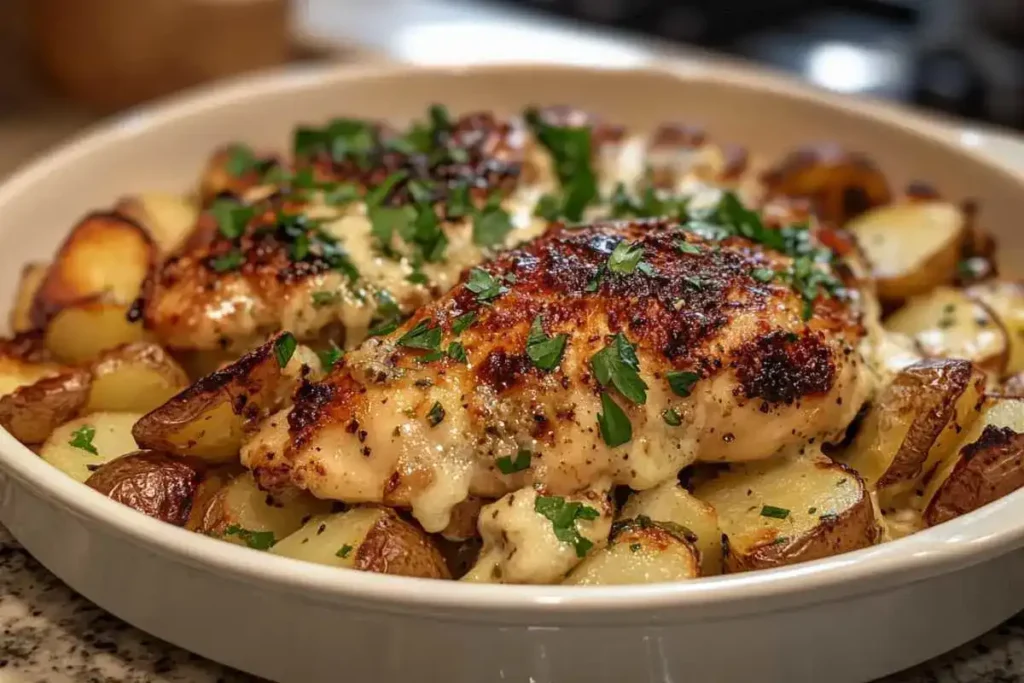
(109, 54)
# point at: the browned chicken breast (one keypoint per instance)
(617, 353)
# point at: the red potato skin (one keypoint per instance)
(152, 483)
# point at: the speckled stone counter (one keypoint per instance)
(51, 635)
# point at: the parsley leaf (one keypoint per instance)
(340, 194)
(508, 465)
(284, 348)
(257, 540)
(491, 226)
(617, 365)
(240, 161)
(82, 438)
(774, 512)
(563, 516)
(329, 357)
(682, 381)
(436, 414)
(231, 217)
(229, 260)
(763, 274)
(377, 195)
(388, 316)
(570, 149)
(344, 551)
(484, 285)
(625, 257)
(458, 204)
(322, 299)
(457, 352)
(671, 418)
(687, 248)
(462, 323)
(385, 221)
(545, 352)
(422, 336)
(614, 423)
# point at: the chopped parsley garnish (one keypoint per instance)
(462, 323)
(341, 139)
(229, 260)
(240, 161)
(570, 149)
(491, 226)
(810, 281)
(231, 217)
(687, 248)
(377, 195)
(457, 352)
(257, 540)
(82, 438)
(682, 381)
(417, 277)
(440, 119)
(422, 336)
(385, 221)
(634, 547)
(340, 194)
(549, 207)
(614, 423)
(625, 257)
(774, 512)
(330, 356)
(322, 299)
(509, 465)
(671, 418)
(595, 282)
(563, 516)
(544, 352)
(763, 274)
(458, 204)
(420, 191)
(617, 365)
(646, 268)
(344, 551)
(430, 357)
(436, 414)
(387, 317)
(484, 285)
(650, 204)
(284, 348)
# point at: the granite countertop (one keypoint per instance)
(50, 634)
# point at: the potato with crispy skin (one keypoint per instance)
(1006, 299)
(788, 510)
(988, 464)
(841, 184)
(33, 411)
(155, 484)
(239, 512)
(369, 538)
(641, 550)
(950, 323)
(32, 276)
(80, 332)
(136, 377)
(912, 247)
(167, 218)
(670, 502)
(81, 446)
(914, 424)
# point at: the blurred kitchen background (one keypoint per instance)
(64, 63)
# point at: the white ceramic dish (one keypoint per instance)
(847, 618)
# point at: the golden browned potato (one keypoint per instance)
(155, 484)
(239, 512)
(949, 323)
(23, 361)
(32, 275)
(1006, 299)
(80, 446)
(988, 464)
(207, 420)
(840, 184)
(788, 510)
(81, 332)
(914, 423)
(33, 411)
(912, 247)
(670, 502)
(137, 377)
(168, 218)
(369, 538)
(106, 255)
(640, 550)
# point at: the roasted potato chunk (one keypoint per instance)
(368, 538)
(1006, 299)
(81, 446)
(840, 184)
(207, 420)
(988, 464)
(24, 361)
(788, 510)
(167, 218)
(949, 323)
(33, 411)
(912, 247)
(240, 512)
(232, 169)
(106, 255)
(137, 377)
(671, 503)
(81, 332)
(152, 483)
(914, 423)
(640, 551)
(32, 276)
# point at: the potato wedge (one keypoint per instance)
(106, 255)
(912, 247)
(949, 323)
(988, 464)
(790, 509)
(368, 538)
(32, 276)
(81, 332)
(1006, 299)
(79, 447)
(168, 218)
(840, 184)
(155, 484)
(33, 411)
(207, 420)
(640, 551)
(670, 502)
(240, 512)
(914, 423)
(136, 377)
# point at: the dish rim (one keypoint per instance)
(961, 542)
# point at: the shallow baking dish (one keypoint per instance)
(846, 618)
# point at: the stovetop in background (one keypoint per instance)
(962, 57)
